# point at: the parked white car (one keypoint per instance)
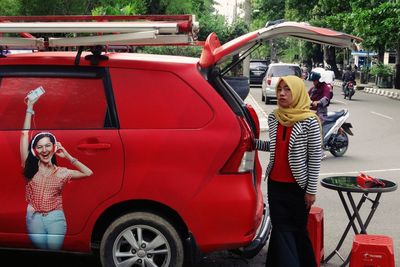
(275, 71)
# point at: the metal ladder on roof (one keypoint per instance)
(97, 31)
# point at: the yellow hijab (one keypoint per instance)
(300, 107)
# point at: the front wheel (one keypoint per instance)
(339, 144)
(141, 239)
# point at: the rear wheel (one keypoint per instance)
(262, 97)
(267, 100)
(340, 144)
(141, 239)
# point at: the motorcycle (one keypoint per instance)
(335, 132)
(349, 89)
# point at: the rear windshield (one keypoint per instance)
(279, 71)
(258, 65)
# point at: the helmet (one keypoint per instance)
(314, 76)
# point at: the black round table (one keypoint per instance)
(348, 185)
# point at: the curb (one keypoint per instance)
(376, 91)
(382, 92)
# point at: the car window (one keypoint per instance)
(258, 65)
(147, 103)
(68, 103)
(279, 71)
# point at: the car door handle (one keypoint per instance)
(97, 146)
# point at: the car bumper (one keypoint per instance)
(261, 238)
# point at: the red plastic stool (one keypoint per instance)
(315, 227)
(372, 251)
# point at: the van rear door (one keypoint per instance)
(214, 53)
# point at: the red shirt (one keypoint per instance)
(281, 171)
(43, 192)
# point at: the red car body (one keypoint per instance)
(161, 134)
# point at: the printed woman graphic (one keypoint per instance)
(45, 220)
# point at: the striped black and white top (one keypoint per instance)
(304, 151)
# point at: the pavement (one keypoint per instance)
(369, 88)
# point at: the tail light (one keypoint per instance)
(242, 159)
(269, 81)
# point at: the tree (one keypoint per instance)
(332, 14)
(9, 7)
(57, 7)
(383, 35)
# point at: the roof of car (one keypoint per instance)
(114, 59)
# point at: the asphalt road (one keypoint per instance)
(373, 149)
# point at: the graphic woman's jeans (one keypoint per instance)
(46, 231)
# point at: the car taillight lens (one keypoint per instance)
(269, 81)
(242, 159)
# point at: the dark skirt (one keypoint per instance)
(289, 244)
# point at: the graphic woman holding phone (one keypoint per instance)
(45, 219)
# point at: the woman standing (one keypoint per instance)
(293, 170)
(45, 220)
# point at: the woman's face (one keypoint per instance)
(44, 149)
(284, 95)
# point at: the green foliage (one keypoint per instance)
(9, 7)
(381, 70)
(190, 51)
(267, 10)
(386, 33)
(178, 7)
(203, 7)
(300, 10)
(213, 23)
(122, 8)
(57, 7)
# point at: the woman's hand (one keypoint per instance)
(61, 151)
(30, 103)
(309, 200)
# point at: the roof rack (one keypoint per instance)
(98, 30)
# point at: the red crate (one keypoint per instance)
(372, 251)
(315, 227)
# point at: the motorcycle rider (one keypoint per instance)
(328, 78)
(348, 76)
(320, 98)
(319, 95)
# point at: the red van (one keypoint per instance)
(167, 141)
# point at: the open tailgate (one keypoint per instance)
(213, 52)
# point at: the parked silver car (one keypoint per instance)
(275, 71)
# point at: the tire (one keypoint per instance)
(267, 100)
(262, 97)
(159, 245)
(338, 152)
